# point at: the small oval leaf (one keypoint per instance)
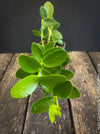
(49, 45)
(36, 33)
(43, 12)
(36, 51)
(74, 93)
(58, 35)
(42, 105)
(66, 61)
(28, 64)
(69, 74)
(24, 87)
(55, 57)
(49, 23)
(63, 90)
(21, 73)
(49, 8)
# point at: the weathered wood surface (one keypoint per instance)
(4, 61)
(15, 115)
(95, 57)
(84, 109)
(12, 111)
(40, 123)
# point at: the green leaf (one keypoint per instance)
(49, 45)
(49, 8)
(21, 73)
(36, 33)
(54, 110)
(42, 105)
(51, 50)
(49, 23)
(36, 51)
(54, 38)
(54, 70)
(54, 57)
(45, 92)
(45, 33)
(69, 74)
(24, 87)
(63, 90)
(28, 64)
(56, 26)
(66, 61)
(57, 34)
(43, 72)
(50, 81)
(74, 93)
(43, 12)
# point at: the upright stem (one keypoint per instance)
(57, 101)
(42, 32)
(49, 34)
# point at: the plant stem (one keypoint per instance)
(57, 101)
(49, 34)
(42, 32)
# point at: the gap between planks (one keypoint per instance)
(5, 60)
(84, 109)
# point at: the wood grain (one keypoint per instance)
(40, 123)
(12, 111)
(4, 61)
(95, 57)
(84, 109)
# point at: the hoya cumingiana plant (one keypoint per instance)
(45, 68)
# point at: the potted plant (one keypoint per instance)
(45, 68)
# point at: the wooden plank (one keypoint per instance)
(4, 61)
(12, 111)
(84, 109)
(95, 57)
(40, 123)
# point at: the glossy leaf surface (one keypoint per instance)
(50, 81)
(66, 61)
(28, 64)
(54, 57)
(42, 105)
(24, 87)
(21, 73)
(43, 12)
(69, 74)
(74, 93)
(36, 51)
(49, 9)
(63, 90)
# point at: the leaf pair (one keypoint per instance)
(47, 10)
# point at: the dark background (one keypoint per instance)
(80, 24)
